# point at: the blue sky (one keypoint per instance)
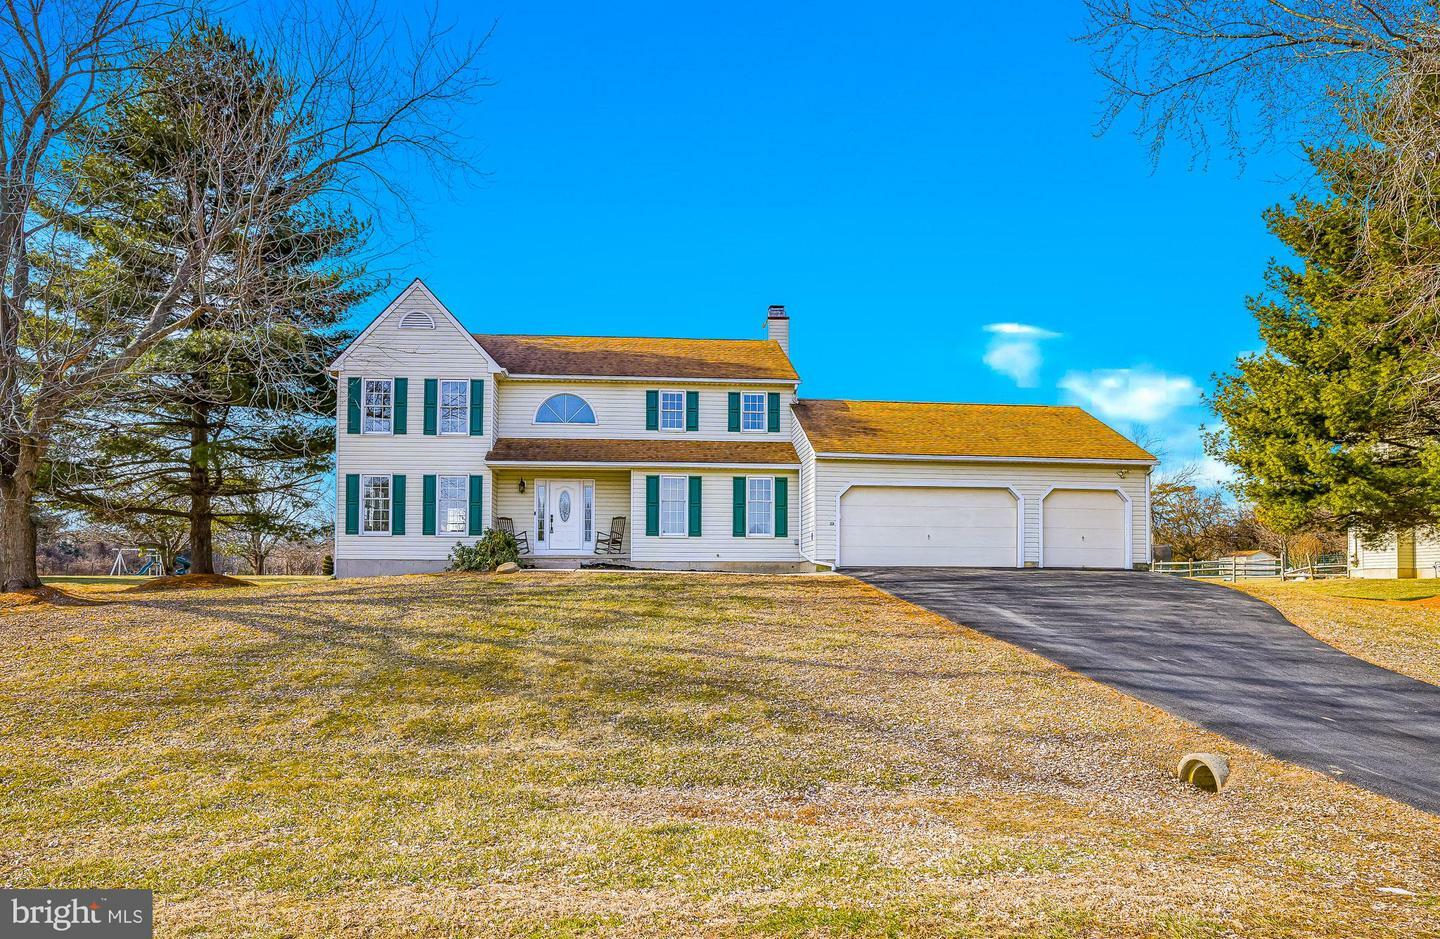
(920, 184)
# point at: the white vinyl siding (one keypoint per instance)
(417, 354)
(1030, 480)
(760, 505)
(804, 500)
(753, 413)
(717, 542)
(378, 406)
(455, 406)
(375, 505)
(619, 409)
(452, 505)
(674, 505)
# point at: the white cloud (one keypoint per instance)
(1014, 351)
(1214, 473)
(1126, 394)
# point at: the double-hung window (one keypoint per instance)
(752, 411)
(454, 407)
(379, 405)
(375, 505)
(760, 505)
(674, 505)
(672, 410)
(452, 505)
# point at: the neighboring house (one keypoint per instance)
(1256, 555)
(1412, 553)
(702, 450)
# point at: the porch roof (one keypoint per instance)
(642, 452)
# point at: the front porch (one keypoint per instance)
(561, 514)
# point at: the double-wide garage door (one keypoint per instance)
(923, 526)
(938, 526)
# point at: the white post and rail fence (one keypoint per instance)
(1236, 569)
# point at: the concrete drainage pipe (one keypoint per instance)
(1205, 771)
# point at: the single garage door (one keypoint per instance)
(923, 526)
(1085, 528)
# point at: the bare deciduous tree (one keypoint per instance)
(358, 101)
(1255, 72)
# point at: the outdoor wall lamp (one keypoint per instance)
(522, 485)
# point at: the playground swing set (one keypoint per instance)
(149, 560)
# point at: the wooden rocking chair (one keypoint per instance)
(611, 542)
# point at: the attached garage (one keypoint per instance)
(1085, 528)
(929, 526)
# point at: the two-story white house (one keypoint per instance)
(699, 454)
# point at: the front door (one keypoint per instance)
(565, 515)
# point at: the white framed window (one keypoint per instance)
(379, 404)
(455, 406)
(564, 409)
(672, 410)
(541, 507)
(760, 505)
(375, 505)
(674, 506)
(752, 411)
(452, 505)
(589, 520)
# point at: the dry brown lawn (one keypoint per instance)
(612, 754)
(1394, 623)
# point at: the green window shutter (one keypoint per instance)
(477, 505)
(652, 506)
(427, 504)
(734, 412)
(694, 506)
(352, 405)
(397, 505)
(352, 502)
(772, 401)
(737, 527)
(652, 410)
(782, 507)
(692, 410)
(432, 396)
(402, 404)
(477, 411)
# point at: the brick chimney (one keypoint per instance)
(777, 326)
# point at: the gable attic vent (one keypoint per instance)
(417, 319)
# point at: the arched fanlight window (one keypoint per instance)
(565, 409)
(417, 319)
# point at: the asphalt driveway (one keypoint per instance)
(1210, 655)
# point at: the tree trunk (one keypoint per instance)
(17, 521)
(257, 553)
(202, 515)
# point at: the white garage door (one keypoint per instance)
(1085, 528)
(897, 526)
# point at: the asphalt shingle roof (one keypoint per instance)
(958, 430)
